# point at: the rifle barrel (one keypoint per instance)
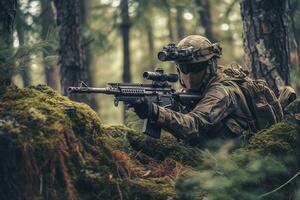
(91, 90)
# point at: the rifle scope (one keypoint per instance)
(160, 77)
(172, 53)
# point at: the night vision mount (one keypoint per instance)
(172, 53)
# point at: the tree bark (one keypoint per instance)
(48, 24)
(20, 28)
(205, 18)
(294, 15)
(7, 17)
(125, 29)
(70, 52)
(86, 48)
(266, 40)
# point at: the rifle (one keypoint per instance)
(159, 91)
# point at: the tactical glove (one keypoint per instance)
(145, 109)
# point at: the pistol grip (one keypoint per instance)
(151, 128)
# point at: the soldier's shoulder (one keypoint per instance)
(218, 90)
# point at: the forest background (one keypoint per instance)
(120, 39)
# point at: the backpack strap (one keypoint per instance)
(247, 101)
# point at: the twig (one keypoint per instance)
(119, 191)
(275, 190)
(230, 7)
(88, 42)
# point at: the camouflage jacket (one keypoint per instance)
(221, 113)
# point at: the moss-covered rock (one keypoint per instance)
(53, 148)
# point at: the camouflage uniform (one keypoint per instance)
(223, 111)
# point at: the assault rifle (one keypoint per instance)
(159, 91)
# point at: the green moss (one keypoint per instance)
(165, 147)
(54, 148)
(152, 189)
(280, 139)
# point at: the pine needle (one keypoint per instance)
(283, 185)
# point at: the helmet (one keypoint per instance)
(203, 49)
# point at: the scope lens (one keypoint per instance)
(146, 75)
(162, 56)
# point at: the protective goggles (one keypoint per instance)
(192, 68)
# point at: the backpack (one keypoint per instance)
(263, 104)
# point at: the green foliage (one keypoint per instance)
(18, 58)
(263, 165)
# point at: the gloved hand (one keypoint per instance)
(144, 109)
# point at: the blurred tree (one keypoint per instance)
(21, 31)
(7, 17)
(295, 29)
(86, 48)
(266, 40)
(150, 39)
(143, 21)
(48, 26)
(205, 18)
(167, 8)
(70, 54)
(180, 22)
(70, 49)
(125, 29)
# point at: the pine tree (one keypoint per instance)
(48, 25)
(70, 51)
(7, 17)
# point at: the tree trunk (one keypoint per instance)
(48, 24)
(20, 27)
(266, 40)
(7, 17)
(86, 48)
(170, 27)
(167, 7)
(294, 15)
(204, 11)
(125, 28)
(70, 52)
(150, 41)
(180, 23)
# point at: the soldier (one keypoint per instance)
(232, 105)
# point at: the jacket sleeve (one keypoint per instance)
(217, 104)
